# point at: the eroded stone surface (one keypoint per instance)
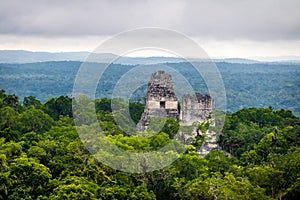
(161, 100)
(195, 108)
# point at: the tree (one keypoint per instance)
(171, 127)
(4, 172)
(35, 120)
(141, 192)
(159, 140)
(2, 96)
(59, 106)
(190, 166)
(8, 118)
(73, 187)
(218, 161)
(9, 123)
(136, 109)
(103, 104)
(267, 177)
(11, 100)
(293, 192)
(38, 153)
(31, 101)
(27, 178)
(217, 187)
(10, 149)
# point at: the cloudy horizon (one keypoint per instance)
(229, 28)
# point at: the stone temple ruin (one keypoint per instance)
(162, 102)
(195, 108)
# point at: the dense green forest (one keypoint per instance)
(247, 85)
(42, 157)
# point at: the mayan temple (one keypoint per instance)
(195, 108)
(162, 102)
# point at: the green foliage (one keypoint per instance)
(31, 101)
(263, 129)
(293, 192)
(266, 177)
(8, 118)
(136, 109)
(220, 162)
(217, 187)
(73, 187)
(10, 149)
(35, 120)
(130, 143)
(27, 178)
(247, 85)
(56, 107)
(42, 156)
(159, 140)
(9, 123)
(103, 104)
(11, 100)
(189, 166)
(140, 192)
(171, 127)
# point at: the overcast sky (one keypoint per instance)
(229, 28)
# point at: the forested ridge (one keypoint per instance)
(42, 157)
(246, 85)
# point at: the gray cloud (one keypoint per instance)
(257, 19)
(227, 19)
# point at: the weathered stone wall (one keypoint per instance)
(152, 104)
(210, 143)
(172, 105)
(195, 108)
(161, 87)
(161, 100)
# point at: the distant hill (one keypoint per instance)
(239, 60)
(289, 59)
(22, 56)
(247, 85)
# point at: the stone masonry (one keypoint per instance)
(161, 100)
(195, 108)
